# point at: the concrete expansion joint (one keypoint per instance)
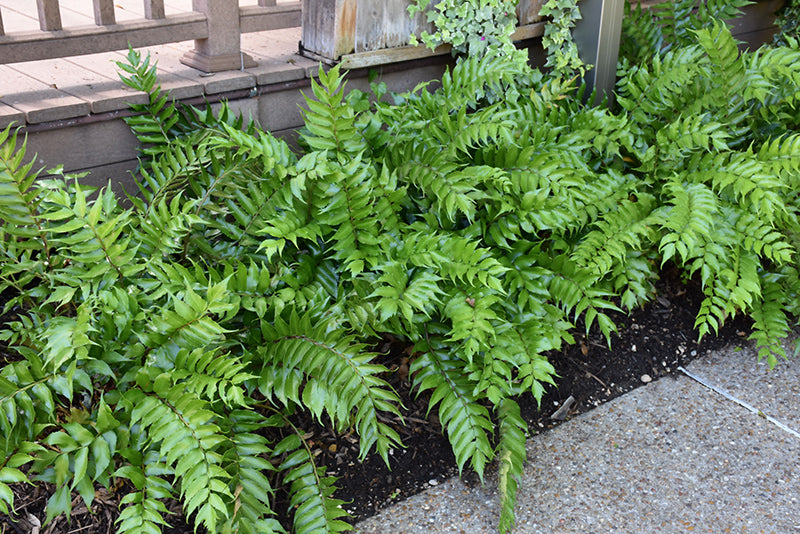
(745, 405)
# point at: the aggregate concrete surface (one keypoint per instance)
(671, 456)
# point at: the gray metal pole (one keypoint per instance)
(597, 35)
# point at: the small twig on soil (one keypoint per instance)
(79, 529)
(588, 373)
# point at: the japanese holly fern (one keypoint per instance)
(165, 348)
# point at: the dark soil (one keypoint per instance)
(652, 342)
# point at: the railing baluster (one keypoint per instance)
(104, 12)
(222, 49)
(154, 9)
(49, 15)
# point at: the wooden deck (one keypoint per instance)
(48, 91)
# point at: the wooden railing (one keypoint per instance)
(360, 32)
(214, 25)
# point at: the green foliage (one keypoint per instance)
(653, 30)
(724, 171)
(473, 27)
(172, 343)
(787, 19)
(562, 52)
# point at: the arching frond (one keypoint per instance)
(465, 420)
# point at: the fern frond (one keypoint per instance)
(668, 25)
(578, 292)
(182, 429)
(511, 456)
(27, 399)
(249, 286)
(740, 179)
(13, 458)
(93, 234)
(247, 462)
(628, 228)
(168, 175)
(762, 238)
(212, 376)
(66, 340)
(472, 316)
(437, 176)
(524, 278)
(726, 67)
(634, 279)
(185, 324)
(465, 420)
(82, 455)
(479, 77)
(734, 287)
(20, 197)
(461, 133)
(460, 259)
(689, 220)
(162, 229)
(340, 378)
(515, 362)
(403, 292)
(770, 324)
(329, 119)
(154, 121)
(781, 157)
(642, 34)
(650, 93)
(294, 225)
(315, 511)
(526, 344)
(580, 200)
(343, 195)
(684, 136)
(143, 510)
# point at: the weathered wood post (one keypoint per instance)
(49, 15)
(329, 28)
(154, 9)
(221, 50)
(104, 12)
(597, 35)
(333, 28)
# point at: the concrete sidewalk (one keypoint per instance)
(671, 456)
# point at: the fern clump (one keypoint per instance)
(179, 332)
(165, 346)
(725, 173)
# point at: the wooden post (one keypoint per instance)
(528, 11)
(222, 49)
(154, 9)
(103, 12)
(49, 15)
(329, 28)
(597, 35)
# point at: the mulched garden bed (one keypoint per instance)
(652, 342)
